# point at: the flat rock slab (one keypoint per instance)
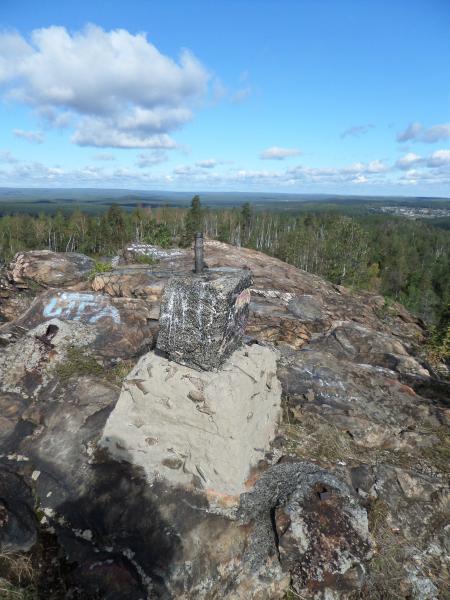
(203, 317)
(197, 429)
(50, 268)
(135, 281)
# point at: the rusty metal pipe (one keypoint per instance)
(198, 252)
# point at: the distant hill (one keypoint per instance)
(35, 200)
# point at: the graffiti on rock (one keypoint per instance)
(76, 306)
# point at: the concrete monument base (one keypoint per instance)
(203, 430)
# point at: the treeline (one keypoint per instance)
(402, 259)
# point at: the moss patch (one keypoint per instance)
(144, 259)
(79, 363)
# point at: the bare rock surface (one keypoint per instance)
(349, 501)
(322, 534)
(134, 281)
(198, 429)
(18, 523)
(123, 327)
(27, 364)
(14, 300)
(50, 268)
(139, 249)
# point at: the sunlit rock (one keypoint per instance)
(50, 268)
(198, 429)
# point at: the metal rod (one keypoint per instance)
(198, 251)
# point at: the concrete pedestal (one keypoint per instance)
(202, 430)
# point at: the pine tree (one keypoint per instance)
(193, 222)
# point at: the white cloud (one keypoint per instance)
(244, 91)
(411, 132)
(184, 170)
(416, 132)
(408, 160)
(439, 158)
(374, 166)
(149, 159)
(36, 137)
(436, 133)
(356, 130)
(241, 94)
(115, 88)
(92, 133)
(219, 89)
(432, 172)
(277, 153)
(7, 157)
(209, 163)
(104, 156)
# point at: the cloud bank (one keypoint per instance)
(412, 170)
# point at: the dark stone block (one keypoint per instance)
(203, 317)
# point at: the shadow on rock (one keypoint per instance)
(115, 536)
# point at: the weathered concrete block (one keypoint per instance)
(203, 430)
(203, 317)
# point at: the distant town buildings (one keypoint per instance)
(414, 212)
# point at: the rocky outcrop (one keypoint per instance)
(121, 327)
(349, 500)
(14, 299)
(58, 269)
(136, 281)
(321, 531)
(18, 523)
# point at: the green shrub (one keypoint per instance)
(100, 267)
(145, 259)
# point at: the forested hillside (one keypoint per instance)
(402, 259)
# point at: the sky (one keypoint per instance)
(296, 96)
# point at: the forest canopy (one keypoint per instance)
(402, 259)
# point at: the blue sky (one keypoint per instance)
(333, 96)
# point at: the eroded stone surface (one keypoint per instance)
(123, 326)
(134, 281)
(28, 363)
(197, 429)
(50, 268)
(321, 531)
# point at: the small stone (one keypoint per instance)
(306, 308)
(173, 463)
(310, 395)
(196, 396)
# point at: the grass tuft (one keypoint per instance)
(17, 577)
(80, 363)
(100, 267)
